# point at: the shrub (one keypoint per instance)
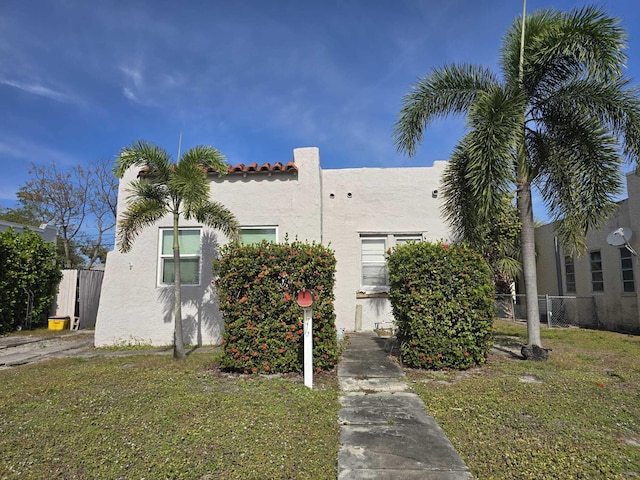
(257, 289)
(26, 263)
(443, 301)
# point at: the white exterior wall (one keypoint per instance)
(612, 309)
(383, 201)
(134, 309)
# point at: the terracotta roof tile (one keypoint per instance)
(264, 168)
(241, 168)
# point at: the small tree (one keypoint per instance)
(178, 189)
(27, 263)
(70, 200)
(102, 207)
(59, 198)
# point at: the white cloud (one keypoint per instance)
(42, 91)
(129, 94)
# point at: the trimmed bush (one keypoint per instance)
(443, 301)
(26, 262)
(257, 290)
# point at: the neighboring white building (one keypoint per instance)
(47, 232)
(606, 278)
(359, 213)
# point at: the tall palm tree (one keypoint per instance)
(561, 117)
(178, 189)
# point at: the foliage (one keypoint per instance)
(257, 288)
(66, 199)
(151, 417)
(179, 189)
(21, 216)
(26, 263)
(559, 119)
(575, 416)
(443, 299)
(499, 243)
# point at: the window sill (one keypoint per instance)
(372, 294)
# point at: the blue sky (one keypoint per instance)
(81, 79)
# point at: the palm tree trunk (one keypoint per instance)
(527, 244)
(178, 342)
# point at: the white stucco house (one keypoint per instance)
(606, 279)
(358, 212)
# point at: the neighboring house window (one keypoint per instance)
(374, 265)
(189, 239)
(626, 264)
(570, 274)
(597, 280)
(249, 235)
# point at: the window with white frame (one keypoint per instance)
(570, 274)
(375, 277)
(404, 239)
(626, 265)
(597, 278)
(249, 235)
(189, 241)
(374, 265)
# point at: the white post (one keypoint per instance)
(308, 347)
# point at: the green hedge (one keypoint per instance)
(257, 290)
(26, 262)
(443, 301)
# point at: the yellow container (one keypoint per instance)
(58, 323)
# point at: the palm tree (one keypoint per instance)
(180, 189)
(560, 118)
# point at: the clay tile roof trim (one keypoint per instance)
(264, 168)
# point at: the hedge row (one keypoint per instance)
(257, 289)
(26, 263)
(443, 302)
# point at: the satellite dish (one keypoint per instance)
(619, 237)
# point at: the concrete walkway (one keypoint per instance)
(385, 431)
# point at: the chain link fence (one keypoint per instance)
(555, 311)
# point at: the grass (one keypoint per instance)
(574, 416)
(152, 417)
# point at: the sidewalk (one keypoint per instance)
(385, 432)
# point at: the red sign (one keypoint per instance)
(305, 298)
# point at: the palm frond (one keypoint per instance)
(616, 105)
(189, 183)
(207, 157)
(216, 215)
(145, 190)
(143, 154)
(139, 214)
(459, 207)
(536, 23)
(496, 123)
(563, 45)
(580, 177)
(450, 90)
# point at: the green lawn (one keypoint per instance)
(574, 416)
(148, 416)
(152, 417)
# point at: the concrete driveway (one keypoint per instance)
(24, 349)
